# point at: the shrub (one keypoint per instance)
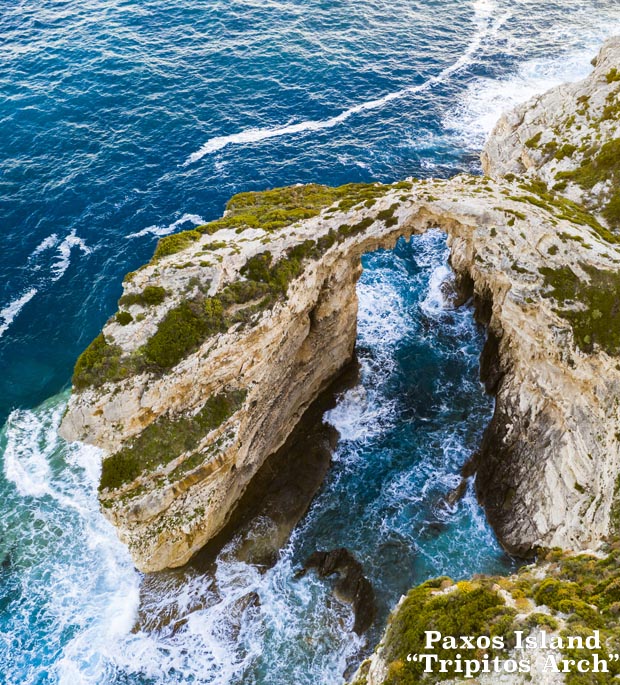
(171, 244)
(182, 330)
(532, 142)
(124, 318)
(99, 362)
(591, 307)
(165, 439)
(473, 609)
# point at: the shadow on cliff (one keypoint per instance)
(263, 520)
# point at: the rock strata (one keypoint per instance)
(186, 432)
(226, 337)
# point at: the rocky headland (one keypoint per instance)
(226, 337)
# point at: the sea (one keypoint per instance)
(122, 121)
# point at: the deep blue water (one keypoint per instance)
(123, 120)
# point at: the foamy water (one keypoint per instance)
(152, 119)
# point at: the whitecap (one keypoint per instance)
(171, 228)
(480, 106)
(434, 303)
(8, 314)
(483, 12)
(63, 259)
(45, 244)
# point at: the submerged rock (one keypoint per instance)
(351, 587)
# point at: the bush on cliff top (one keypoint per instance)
(150, 296)
(583, 591)
(274, 209)
(165, 439)
(473, 609)
(99, 361)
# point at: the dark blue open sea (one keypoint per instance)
(125, 120)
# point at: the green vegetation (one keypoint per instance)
(165, 439)
(150, 296)
(613, 75)
(592, 307)
(612, 107)
(274, 209)
(174, 243)
(567, 150)
(99, 362)
(472, 609)
(600, 167)
(124, 318)
(189, 324)
(562, 208)
(581, 594)
(533, 141)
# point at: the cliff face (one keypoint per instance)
(221, 345)
(231, 331)
(563, 143)
(568, 138)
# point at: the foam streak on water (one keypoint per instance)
(487, 26)
(103, 102)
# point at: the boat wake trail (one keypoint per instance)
(484, 10)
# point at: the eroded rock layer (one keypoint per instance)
(226, 337)
(231, 331)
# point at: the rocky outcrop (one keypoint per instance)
(562, 143)
(567, 138)
(192, 394)
(225, 338)
(352, 585)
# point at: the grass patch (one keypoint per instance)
(612, 75)
(592, 307)
(165, 439)
(533, 142)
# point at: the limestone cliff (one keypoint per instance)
(568, 138)
(219, 347)
(564, 142)
(231, 331)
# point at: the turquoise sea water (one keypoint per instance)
(121, 121)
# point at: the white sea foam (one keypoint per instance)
(171, 228)
(484, 10)
(434, 302)
(76, 571)
(63, 258)
(25, 464)
(59, 265)
(8, 314)
(45, 244)
(480, 106)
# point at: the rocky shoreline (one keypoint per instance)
(226, 338)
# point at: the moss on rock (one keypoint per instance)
(576, 595)
(165, 439)
(591, 306)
